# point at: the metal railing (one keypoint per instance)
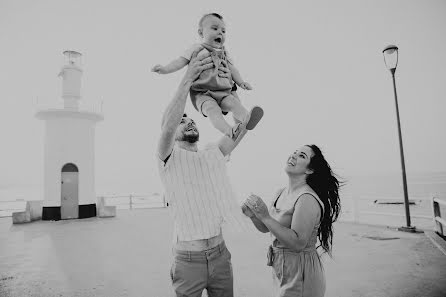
(354, 213)
(130, 201)
(438, 221)
(367, 209)
(17, 205)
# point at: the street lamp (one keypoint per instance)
(391, 60)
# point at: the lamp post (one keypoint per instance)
(391, 60)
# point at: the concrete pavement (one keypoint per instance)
(130, 255)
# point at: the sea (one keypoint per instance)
(370, 199)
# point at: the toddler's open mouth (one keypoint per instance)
(218, 40)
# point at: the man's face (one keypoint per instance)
(187, 131)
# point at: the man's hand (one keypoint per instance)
(245, 85)
(158, 69)
(197, 65)
(223, 70)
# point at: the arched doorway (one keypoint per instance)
(69, 204)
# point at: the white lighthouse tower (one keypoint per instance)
(69, 186)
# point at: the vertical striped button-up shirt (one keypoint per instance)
(198, 191)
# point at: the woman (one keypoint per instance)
(300, 214)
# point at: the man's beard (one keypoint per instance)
(191, 138)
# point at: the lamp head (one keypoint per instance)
(390, 53)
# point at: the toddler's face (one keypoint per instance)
(213, 32)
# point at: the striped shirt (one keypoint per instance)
(198, 191)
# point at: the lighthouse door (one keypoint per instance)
(69, 192)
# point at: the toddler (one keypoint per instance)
(211, 94)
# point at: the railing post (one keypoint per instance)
(437, 213)
(131, 202)
(355, 209)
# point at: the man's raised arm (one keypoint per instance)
(227, 145)
(174, 111)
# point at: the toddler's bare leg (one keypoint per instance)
(211, 109)
(233, 104)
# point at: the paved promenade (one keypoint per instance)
(129, 255)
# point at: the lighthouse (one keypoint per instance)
(69, 150)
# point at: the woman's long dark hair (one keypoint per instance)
(324, 182)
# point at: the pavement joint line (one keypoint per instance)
(431, 235)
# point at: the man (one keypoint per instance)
(199, 193)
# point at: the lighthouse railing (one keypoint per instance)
(96, 106)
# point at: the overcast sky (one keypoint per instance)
(316, 68)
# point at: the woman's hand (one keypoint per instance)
(246, 211)
(198, 65)
(258, 207)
